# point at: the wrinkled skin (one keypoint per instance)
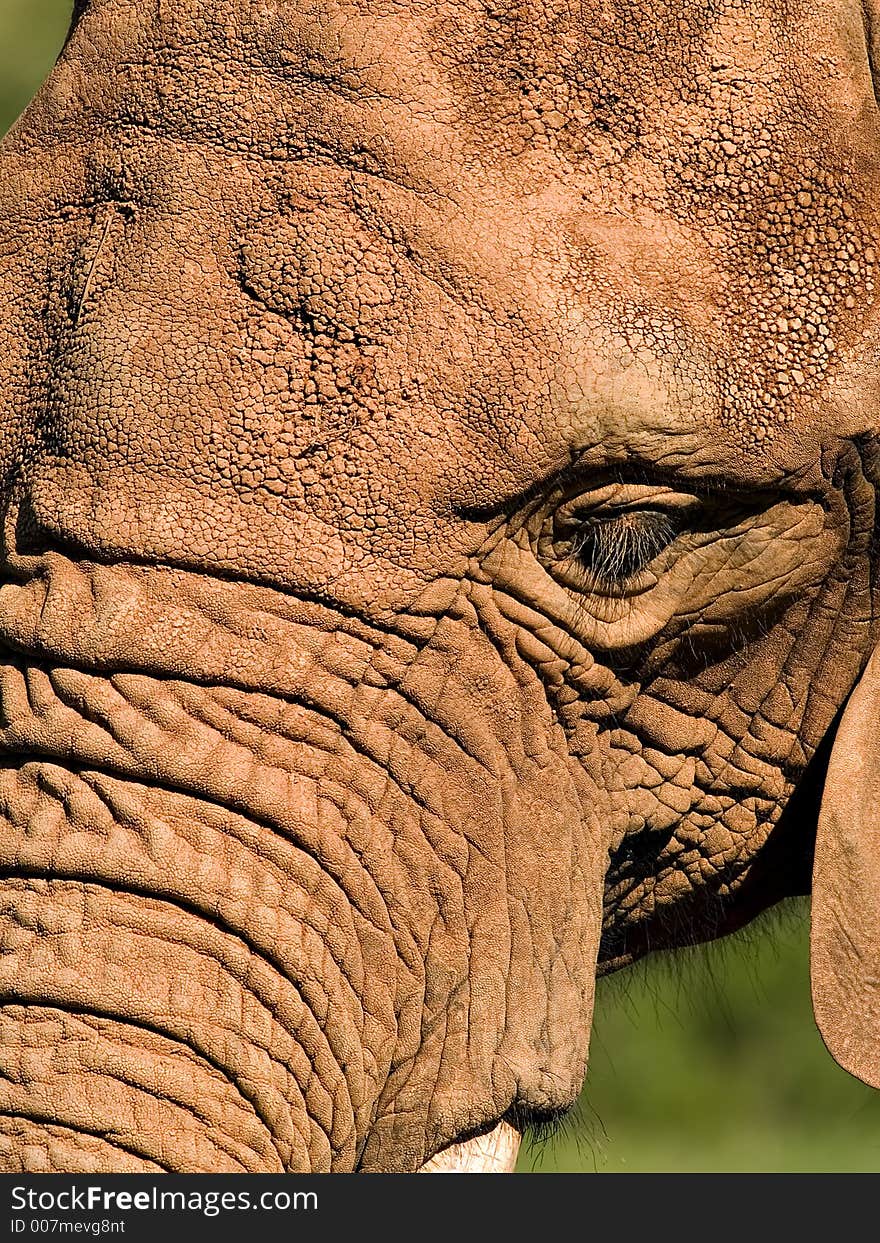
(439, 468)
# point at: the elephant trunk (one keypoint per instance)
(263, 884)
(180, 990)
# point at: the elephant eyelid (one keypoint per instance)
(612, 548)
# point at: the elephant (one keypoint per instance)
(439, 452)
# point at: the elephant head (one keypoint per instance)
(439, 456)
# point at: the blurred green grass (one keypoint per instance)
(709, 1060)
(701, 1061)
(31, 35)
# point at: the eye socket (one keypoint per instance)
(617, 538)
(613, 549)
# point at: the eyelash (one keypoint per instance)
(613, 550)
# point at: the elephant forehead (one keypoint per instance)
(645, 217)
(602, 89)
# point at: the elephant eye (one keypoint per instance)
(605, 539)
(612, 549)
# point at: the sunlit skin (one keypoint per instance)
(439, 467)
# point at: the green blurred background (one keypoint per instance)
(701, 1061)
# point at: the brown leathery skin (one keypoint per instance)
(337, 343)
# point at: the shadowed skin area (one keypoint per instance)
(439, 474)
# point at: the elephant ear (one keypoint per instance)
(845, 935)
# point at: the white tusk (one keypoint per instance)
(494, 1153)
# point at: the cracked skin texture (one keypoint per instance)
(439, 468)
